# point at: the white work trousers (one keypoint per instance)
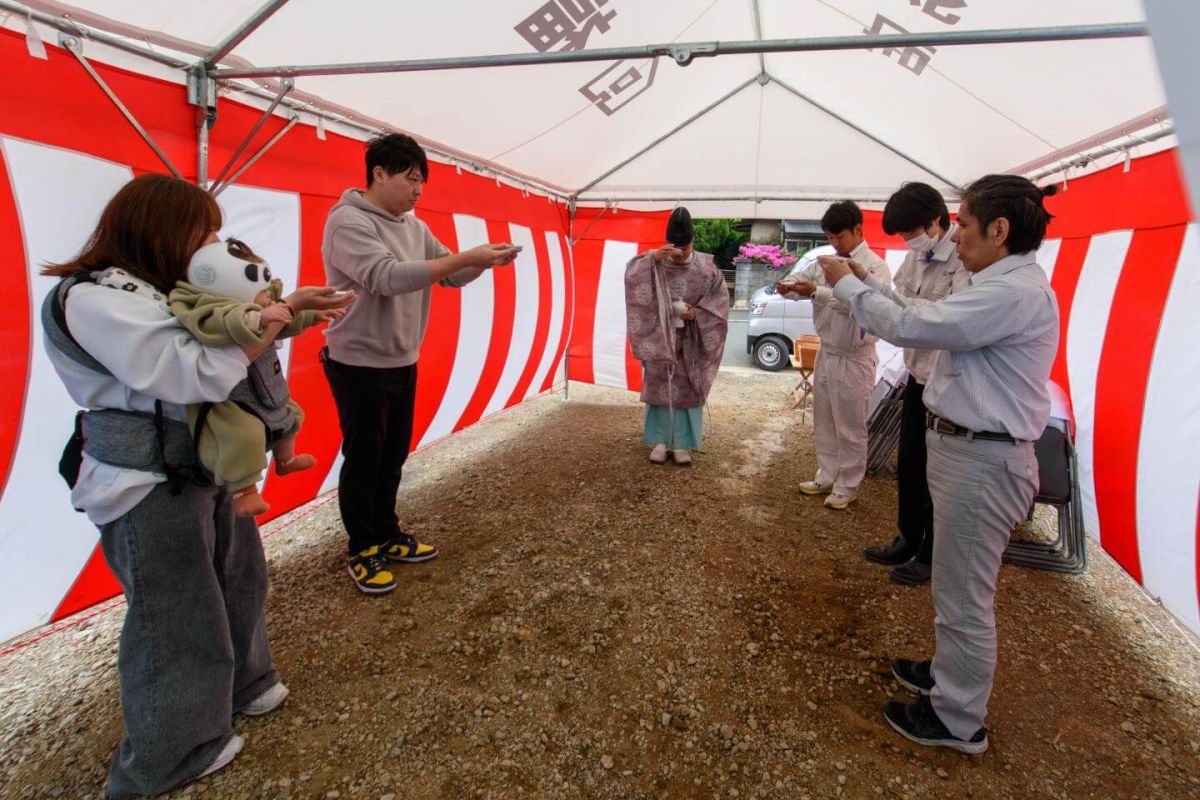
(842, 386)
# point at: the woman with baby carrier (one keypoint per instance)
(194, 648)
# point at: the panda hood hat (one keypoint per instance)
(229, 269)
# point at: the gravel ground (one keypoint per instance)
(601, 627)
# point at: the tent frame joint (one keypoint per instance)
(202, 93)
(685, 53)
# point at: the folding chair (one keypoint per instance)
(1058, 478)
(883, 426)
(804, 359)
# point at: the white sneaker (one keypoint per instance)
(266, 702)
(838, 502)
(682, 458)
(228, 753)
(659, 454)
(812, 487)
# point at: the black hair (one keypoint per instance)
(1017, 200)
(841, 216)
(914, 205)
(679, 228)
(395, 152)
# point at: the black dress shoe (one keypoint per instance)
(911, 573)
(895, 553)
(916, 676)
(919, 723)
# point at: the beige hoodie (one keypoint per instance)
(381, 257)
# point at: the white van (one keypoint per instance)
(776, 322)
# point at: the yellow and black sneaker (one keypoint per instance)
(370, 572)
(406, 549)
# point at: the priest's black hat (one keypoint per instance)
(679, 228)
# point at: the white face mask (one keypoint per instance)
(921, 243)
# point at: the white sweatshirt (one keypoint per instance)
(151, 356)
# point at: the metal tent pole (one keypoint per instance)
(217, 189)
(756, 15)
(566, 362)
(226, 45)
(684, 197)
(1126, 128)
(1103, 148)
(285, 87)
(826, 109)
(683, 53)
(73, 45)
(667, 135)
(72, 28)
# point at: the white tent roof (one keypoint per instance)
(799, 126)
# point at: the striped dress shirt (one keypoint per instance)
(997, 340)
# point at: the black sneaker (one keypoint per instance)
(919, 723)
(406, 549)
(911, 573)
(916, 676)
(891, 554)
(370, 572)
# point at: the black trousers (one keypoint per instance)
(915, 514)
(375, 411)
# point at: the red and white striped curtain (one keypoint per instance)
(65, 149)
(1123, 257)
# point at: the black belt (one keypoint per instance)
(943, 425)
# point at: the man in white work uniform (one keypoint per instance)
(844, 374)
(988, 404)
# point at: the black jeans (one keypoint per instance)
(375, 411)
(915, 508)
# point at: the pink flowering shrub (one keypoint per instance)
(768, 254)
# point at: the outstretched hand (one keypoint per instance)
(318, 298)
(491, 255)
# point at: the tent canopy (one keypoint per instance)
(754, 135)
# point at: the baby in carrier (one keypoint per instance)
(230, 298)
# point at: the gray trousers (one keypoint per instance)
(981, 490)
(194, 646)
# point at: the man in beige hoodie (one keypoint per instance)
(375, 247)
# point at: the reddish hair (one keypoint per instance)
(150, 228)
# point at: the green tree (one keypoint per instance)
(717, 236)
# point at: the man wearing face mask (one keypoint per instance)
(845, 370)
(930, 271)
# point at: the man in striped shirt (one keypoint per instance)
(988, 403)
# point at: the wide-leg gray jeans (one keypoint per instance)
(194, 647)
